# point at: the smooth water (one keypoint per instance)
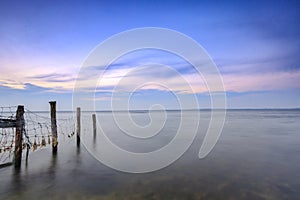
(256, 157)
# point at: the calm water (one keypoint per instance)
(256, 157)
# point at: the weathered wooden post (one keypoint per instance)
(94, 125)
(53, 126)
(78, 126)
(19, 135)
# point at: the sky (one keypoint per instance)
(254, 44)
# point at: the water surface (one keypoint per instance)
(256, 157)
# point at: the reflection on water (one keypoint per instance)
(257, 157)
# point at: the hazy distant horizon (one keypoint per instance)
(147, 110)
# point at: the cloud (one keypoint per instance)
(253, 74)
(34, 88)
(262, 82)
(287, 63)
(14, 86)
(53, 77)
(11, 84)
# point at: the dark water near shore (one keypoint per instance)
(256, 157)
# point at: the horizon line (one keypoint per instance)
(147, 110)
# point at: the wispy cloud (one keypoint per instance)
(288, 63)
(262, 82)
(53, 77)
(52, 82)
(8, 83)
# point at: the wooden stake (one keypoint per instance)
(94, 125)
(78, 126)
(53, 126)
(19, 135)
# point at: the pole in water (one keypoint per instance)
(94, 125)
(78, 127)
(27, 153)
(53, 126)
(19, 135)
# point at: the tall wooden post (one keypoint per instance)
(78, 126)
(19, 135)
(94, 125)
(53, 126)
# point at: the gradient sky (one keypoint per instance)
(255, 44)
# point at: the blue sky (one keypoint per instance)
(255, 44)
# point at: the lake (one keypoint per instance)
(256, 157)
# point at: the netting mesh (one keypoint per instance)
(37, 132)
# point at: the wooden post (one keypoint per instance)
(19, 135)
(94, 125)
(78, 126)
(53, 126)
